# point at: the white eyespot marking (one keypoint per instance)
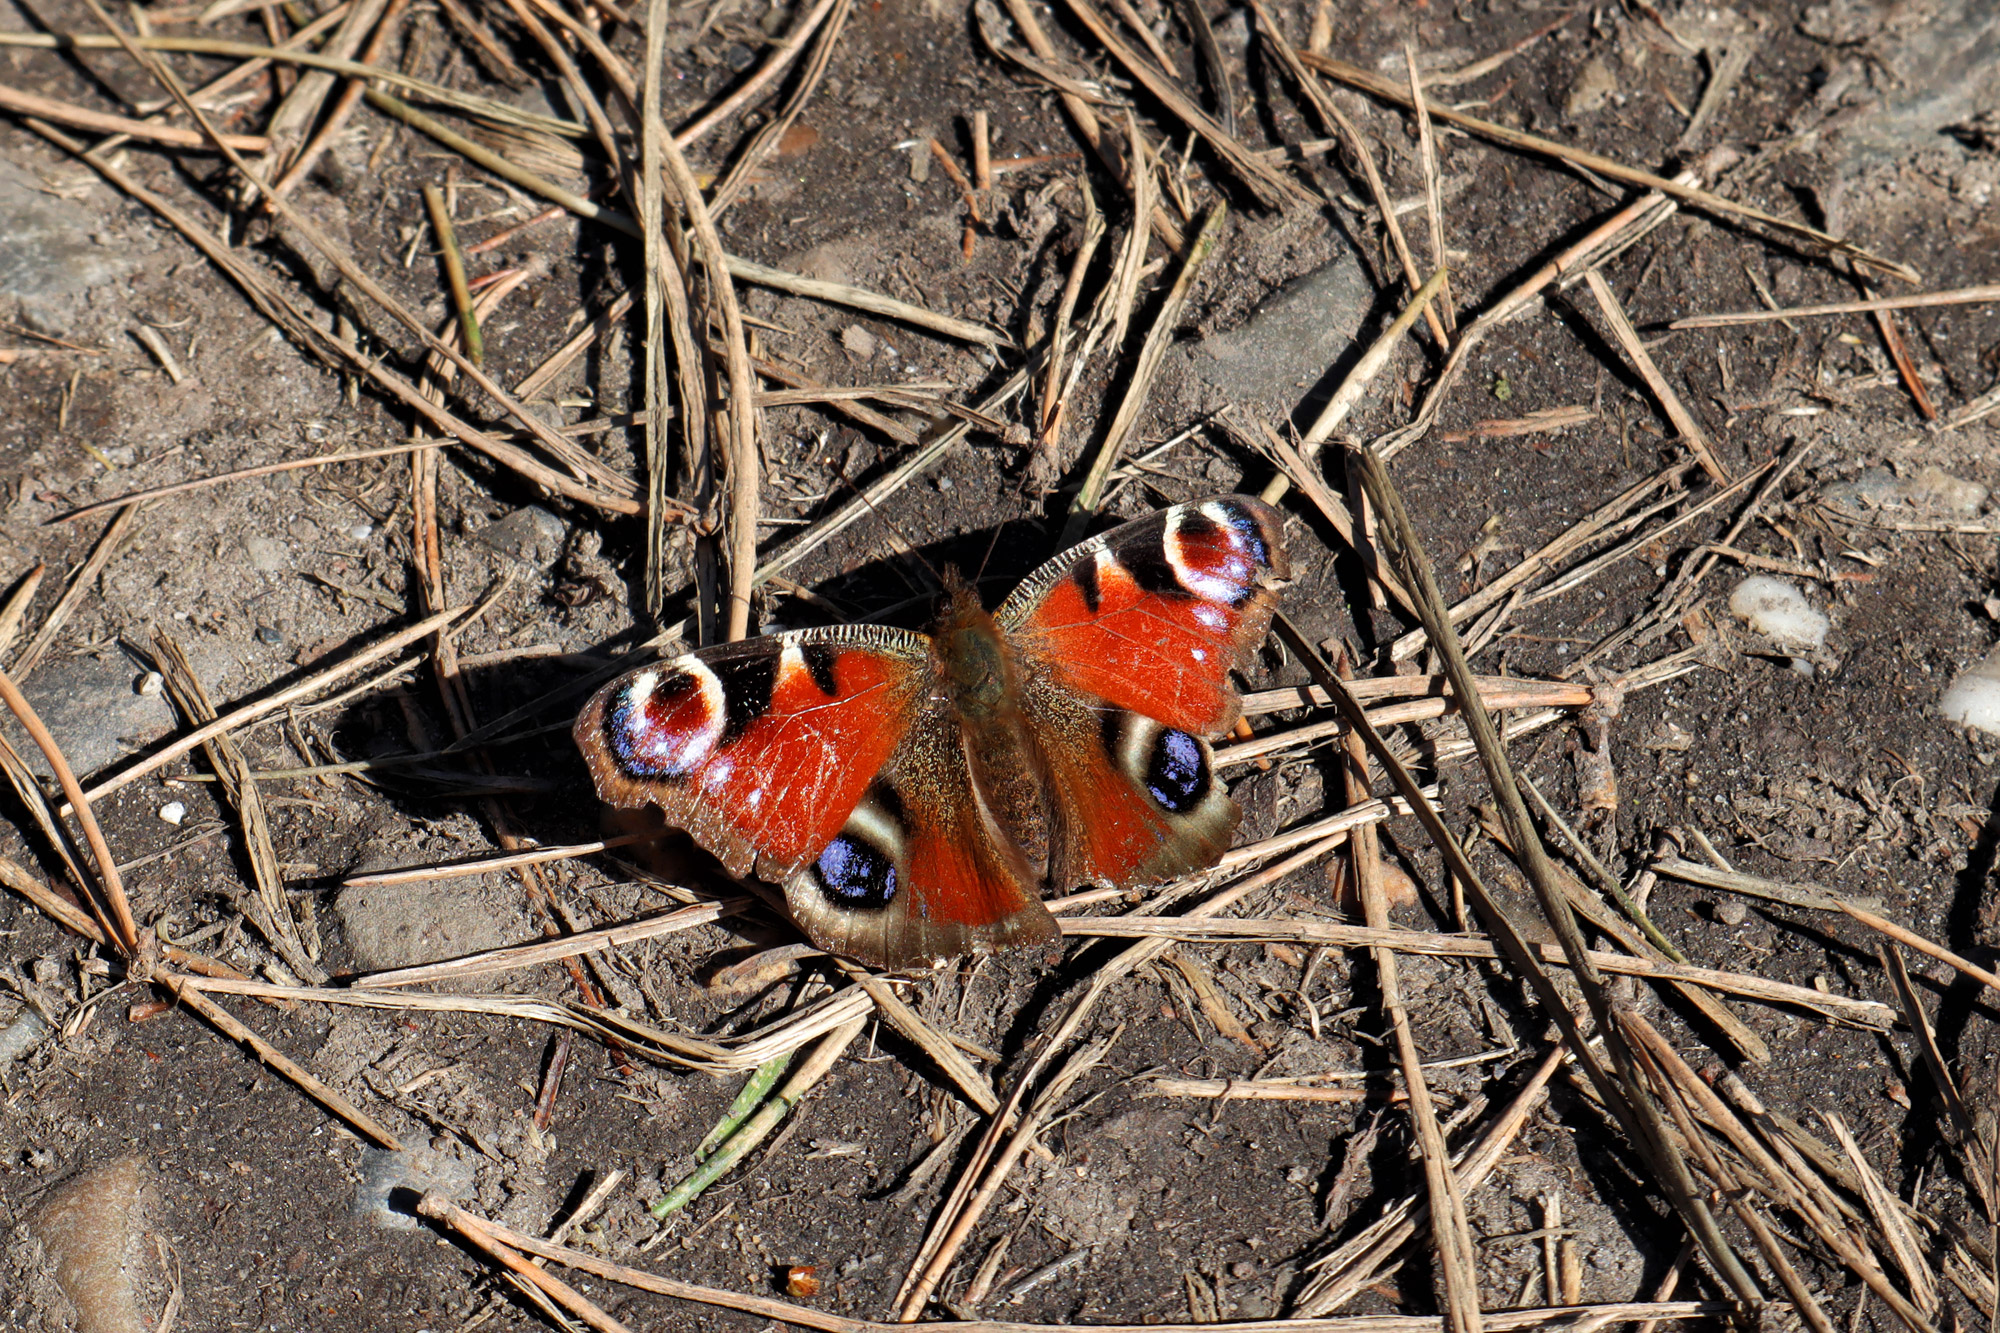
(791, 659)
(1199, 654)
(1225, 518)
(718, 774)
(647, 746)
(755, 800)
(878, 827)
(1210, 616)
(1223, 580)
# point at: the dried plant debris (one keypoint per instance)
(385, 378)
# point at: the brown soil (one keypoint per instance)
(1847, 777)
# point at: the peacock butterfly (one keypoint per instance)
(914, 793)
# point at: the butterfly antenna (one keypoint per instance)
(902, 543)
(993, 542)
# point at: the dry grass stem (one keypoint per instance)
(274, 305)
(1451, 1232)
(1264, 1090)
(483, 108)
(1973, 1147)
(15, 608)
(485, 865)
(1271, 189)
(1081, 113)
(1627, 338)
(99, 122)
(1333, 118)
(1328, 831)
(941, 1049)
(1500, 695)
(516, 957)
(109, 901)
(1139, 386)
(80, 584)
(53, 904)
(1355, 386)
(1754, 886)
(240, 789)
(188, 991)
(243, 474)
(1647, 942)
(1427, 157)
(779, 59)
(1887, 1210)
(1304, 472)
(1390, 91)
(1636, 1114)
(335, 122)
(953, 1226)
(1913, 301)
(1340, 1276)
(250, 712)
(732, 1056)
(800, 1316)
(1286, 930)
(871, 497)
(1592, 248)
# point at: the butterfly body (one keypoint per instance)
(914, 793)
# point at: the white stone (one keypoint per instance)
(1776, 609)
(1973, 698)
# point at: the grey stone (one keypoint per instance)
(403, 925)
(1278, 359)
(390, 1184)
(49, 252)
(92, 708)
(532, 535)
(1943, 59)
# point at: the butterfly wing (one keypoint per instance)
(1126, 642)
(759, 749)
(823, 760)
(920, 871)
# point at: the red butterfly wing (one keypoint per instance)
(1153, 616)
(759, 749)
(1126, 643)
(920, 872)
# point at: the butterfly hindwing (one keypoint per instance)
(1153, 616)
(919, 872)
(1135, 801)
(759, 749)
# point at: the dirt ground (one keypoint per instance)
(1873, 121)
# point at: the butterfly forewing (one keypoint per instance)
(759, 749)
(1152, 616)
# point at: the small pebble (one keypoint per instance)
(1731, 912)
(21, 1035)
(1973, 697)
(173, 812)
(1777, 610)
(361, 532)
(267, 635)
(149, 685)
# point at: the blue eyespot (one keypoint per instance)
(853, 874)
(1177, 773)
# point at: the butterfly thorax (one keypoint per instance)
(979, 678)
